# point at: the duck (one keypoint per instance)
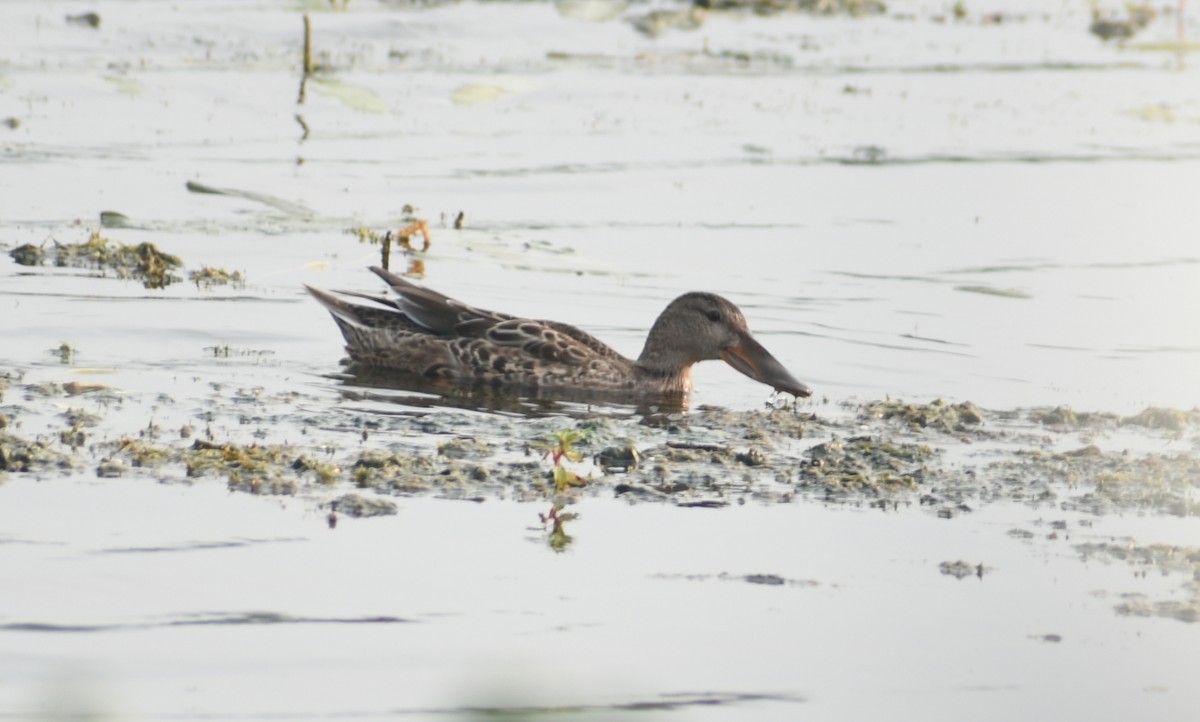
(421, 333)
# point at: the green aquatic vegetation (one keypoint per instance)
(865, 463)
(28, 255)
(751, 457)
(562, 448)
(1065, 416)
(1099, 481)
(393, 472)
(327, 474)
(358, 506)
(143, 262)
(81, 417)
(142, 455)
(255, 469)
(207, 277)
(23, 455)
(65, 353)
(557, 537)
(952, 418)
(111, 468)
(73, 437)
(464, 448)
(1159, 418)
(1168, 484)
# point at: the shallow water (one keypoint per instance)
(234, 608)
(903, 207)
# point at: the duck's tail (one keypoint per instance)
(345, 313)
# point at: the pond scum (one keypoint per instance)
(143, 262)
(945, 459)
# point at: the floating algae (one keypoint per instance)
(207, 277)
(865, 464)
(142, 262)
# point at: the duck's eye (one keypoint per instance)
(713, 316)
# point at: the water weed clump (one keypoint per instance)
(142, 262)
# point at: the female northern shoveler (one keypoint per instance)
(421, 332)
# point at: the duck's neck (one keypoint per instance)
(671, 369)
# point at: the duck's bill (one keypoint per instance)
(749, 357)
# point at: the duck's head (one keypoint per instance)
(702, 326)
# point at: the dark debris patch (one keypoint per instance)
(961, 570)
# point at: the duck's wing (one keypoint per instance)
(547, 342)
(585, 339)
(438, 313)
(355, 316)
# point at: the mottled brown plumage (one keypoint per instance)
(423, 333)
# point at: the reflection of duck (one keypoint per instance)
(421, 332)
